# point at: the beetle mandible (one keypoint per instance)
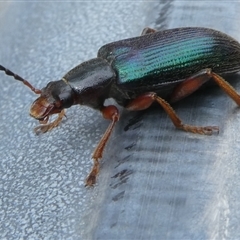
(136, 72)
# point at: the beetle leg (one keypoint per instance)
(148, 30)
(47, 127)
(110, 113)
(191, 84)
(226, 87)
(145, 100)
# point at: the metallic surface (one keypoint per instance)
(155, 182)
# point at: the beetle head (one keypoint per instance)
(54, 98)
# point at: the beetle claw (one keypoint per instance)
(90, 180)
(41, 129)
(209, 130)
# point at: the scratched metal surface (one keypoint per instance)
(155, 182)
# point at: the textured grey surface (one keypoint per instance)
(42, 193)
(155, 182)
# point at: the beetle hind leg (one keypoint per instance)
(49, 126)
(145, 100)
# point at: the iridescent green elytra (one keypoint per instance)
(170, 56)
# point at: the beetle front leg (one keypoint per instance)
(49, 126)
(145, 100)
(110, 113)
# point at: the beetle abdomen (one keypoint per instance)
(172, 55)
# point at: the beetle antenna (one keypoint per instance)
(17, 77)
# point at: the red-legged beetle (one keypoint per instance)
(136, 72)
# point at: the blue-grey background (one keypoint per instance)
(155, 182)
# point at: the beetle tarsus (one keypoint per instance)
(47, 127)
(91, 178)
(208, 130)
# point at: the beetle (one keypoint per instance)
(158, 66)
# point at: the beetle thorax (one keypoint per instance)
(91, 82)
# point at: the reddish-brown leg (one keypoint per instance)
(148, 30)
(226, 87)
(194, 82)
(145, 100)
(190, 85)
(110, 113)
(49, 126)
